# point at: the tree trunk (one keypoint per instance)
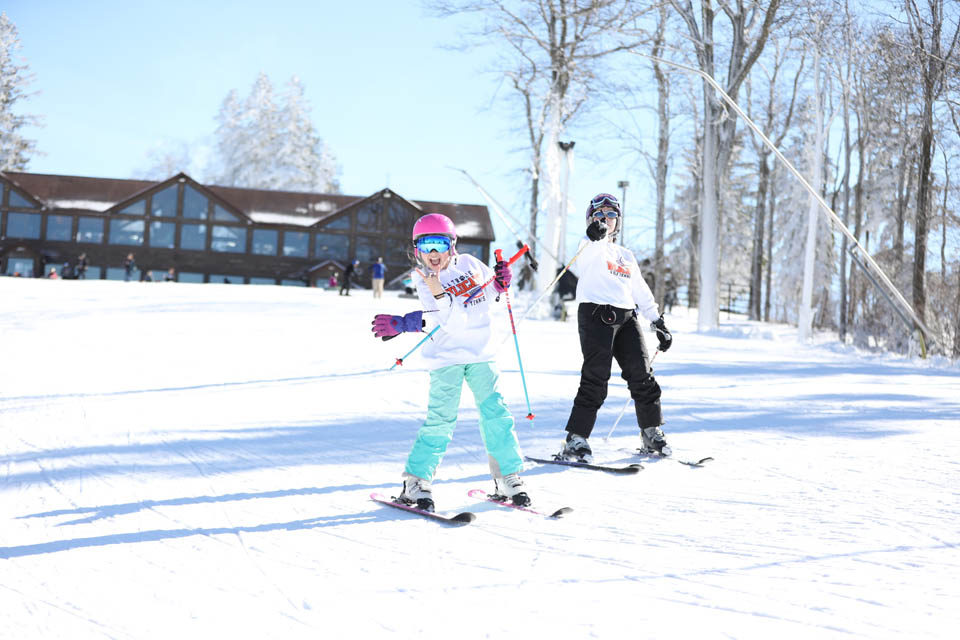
(756, 262)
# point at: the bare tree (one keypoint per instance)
(552, 54)
(750, 25)
(926, 32)
(773, 118)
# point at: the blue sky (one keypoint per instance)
(116, 79)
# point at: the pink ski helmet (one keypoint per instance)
(434, 224)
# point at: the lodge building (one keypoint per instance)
(208, 233)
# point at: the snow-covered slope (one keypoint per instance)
(187, 461)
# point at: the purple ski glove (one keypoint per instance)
(502, 276)
(386, 326)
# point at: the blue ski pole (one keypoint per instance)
(425, 338)
(499, 254)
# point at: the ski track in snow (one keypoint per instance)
(186, 460)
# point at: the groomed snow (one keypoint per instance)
(185, 461)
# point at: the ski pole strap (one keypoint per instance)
(499, 254)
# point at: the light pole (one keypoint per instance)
(567, 148)
(623, 184)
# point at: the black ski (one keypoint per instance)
(650, 453)
(464, 517)
(629, 469)
(480, 494)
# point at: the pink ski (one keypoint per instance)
(480, 494)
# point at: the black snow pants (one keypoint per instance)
(605, 333)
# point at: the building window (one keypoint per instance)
(476, 250)
(23, 225)
(137, 208)
(162, 234)
(399, 251)
(295, 244)
(59, 228)
(90, 230)
(400, 216)
(164, 203)
(229, 239)
(219, 213)
(16, 200)
(293, 283)
(93, 273)
(119, 273)
(368, 215)
(186, 276)
(128, 232)
(368, 249)
(265, 242)
(22, 266)
(341, 223)
(333, 246)
(262, 281)
(193, 236)
(219, 278)
(195, 204)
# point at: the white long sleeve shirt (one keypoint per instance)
(467, 334)
(608, 273)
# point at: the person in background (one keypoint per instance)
(82, 266)
(128, 266)
(379, 272)
(612, 294)
(332, 282)
(348, 276)
(171, 275)
(148, 277)
(53, 274)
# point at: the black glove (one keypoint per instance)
(663, 334)
(596, 230)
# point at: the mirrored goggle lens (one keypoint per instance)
(426, 244)
(610, 215)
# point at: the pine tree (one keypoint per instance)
(15, 150)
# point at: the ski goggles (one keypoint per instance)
(604, 200)
(610, 215)
(440, 244)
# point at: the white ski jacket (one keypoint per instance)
(467, 334)
(608, 273)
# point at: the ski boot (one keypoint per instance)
(654, 442)
(510, 487)
(416, 491)
(576, 449)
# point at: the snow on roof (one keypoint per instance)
(92, 205)
(269, 217)
(324, 206)
(469, 228)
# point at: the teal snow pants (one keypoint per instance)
(496, 423)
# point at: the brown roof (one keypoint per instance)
(99, 194)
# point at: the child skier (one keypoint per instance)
(611, 291)
(463, 348)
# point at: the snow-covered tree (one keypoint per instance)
(15, 77)
(270, 142)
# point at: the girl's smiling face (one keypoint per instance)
(435, 261)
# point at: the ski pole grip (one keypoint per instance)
(499, 254)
